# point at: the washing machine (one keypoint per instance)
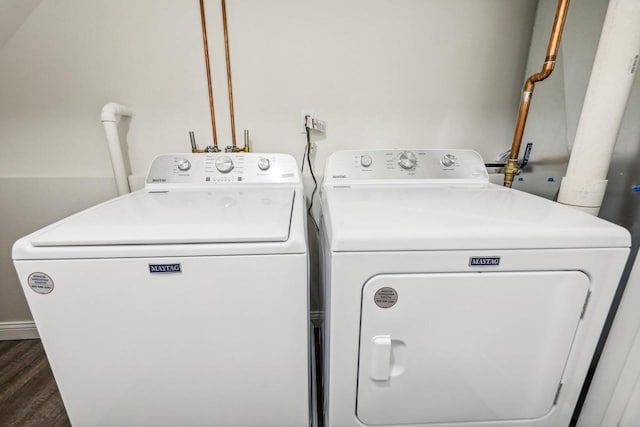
(182, 304)
(451, 301)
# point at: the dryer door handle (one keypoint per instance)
(381, 358)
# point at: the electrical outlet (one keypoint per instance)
(318, 125)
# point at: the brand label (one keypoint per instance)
(484, 261)
(165, 268)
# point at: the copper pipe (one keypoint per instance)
(226, 51)
(208, 66)
(511, 169)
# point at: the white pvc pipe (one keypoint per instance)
(616, 62)
(110, 116)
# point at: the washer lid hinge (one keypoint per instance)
(555, 399)
(586, 303)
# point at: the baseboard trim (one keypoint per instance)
(18, 331)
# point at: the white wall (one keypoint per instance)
(382, 73)
(12, 14)
(72, 56)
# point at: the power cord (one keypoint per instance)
(307, 152)
(304, 154)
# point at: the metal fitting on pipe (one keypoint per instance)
(511, 169)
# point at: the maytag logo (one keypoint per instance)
(165, 268)
(484, 261)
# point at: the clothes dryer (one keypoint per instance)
(451, 301)
(182, 304)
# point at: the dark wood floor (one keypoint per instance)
(29, 396)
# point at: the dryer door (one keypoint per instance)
(456, 347)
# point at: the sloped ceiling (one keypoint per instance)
(12, 14)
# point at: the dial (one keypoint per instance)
(407, 160)
(263, 163)
(184, 165)
(366, 160)
(224, 164)
(448, 160)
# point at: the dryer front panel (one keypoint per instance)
(465, 347)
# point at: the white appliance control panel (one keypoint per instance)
(435, 165)
(208, 169)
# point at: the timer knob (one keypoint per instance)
(407, 160)
(184, 165)
(224, 164)
(448, 160)
(263, 163)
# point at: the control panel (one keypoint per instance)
(420, 165)
(204, 169)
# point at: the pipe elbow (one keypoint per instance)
(111, 112)
(546, 71)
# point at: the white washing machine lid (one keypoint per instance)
(448, 217)
(224, 215)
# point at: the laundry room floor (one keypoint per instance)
(29, 396)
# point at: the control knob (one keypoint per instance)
(184, 165)
(448, 160)
(224, 164)
(263, 163)
(366, 160)
(407, 160)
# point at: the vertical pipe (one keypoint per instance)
(110, 116)
(208, 67)
(511, 168)
(226, 51)
(246, 147)
(616, 62)
(117, 160)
